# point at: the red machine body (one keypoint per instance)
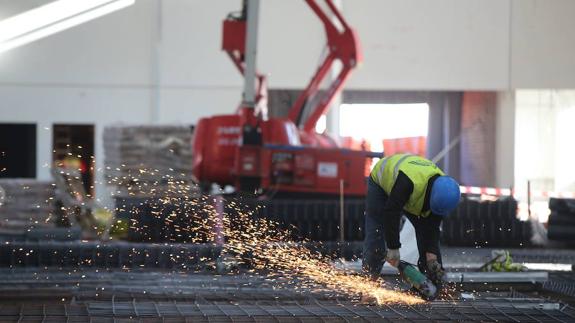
(281, 164)
(286, 155)
(217, 139)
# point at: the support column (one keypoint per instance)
(478, 119)
(44, 148)
(333, 114)
(156, 62)
(505, 139)
(332, 118)
(444, 127)
(103, 192)
(251, 52)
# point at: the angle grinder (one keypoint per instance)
(417, 280)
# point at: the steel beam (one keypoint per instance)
(498, 277)
(250, 53)
(466, 277)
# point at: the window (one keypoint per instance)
(17, 150)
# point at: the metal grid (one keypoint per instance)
(562, 283)
(489, 310)
(567, 289)
(142, 286)
(34, 295)
(563, 276)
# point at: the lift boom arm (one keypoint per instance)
(343, 45)
(234, 44)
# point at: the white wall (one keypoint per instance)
(441, 44)
(409, 44)
(196, 78)
(291, 40)
(543, 44)
(191, 39)
(103, 52)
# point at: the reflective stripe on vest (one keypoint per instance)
(396, 169)
(380, 169)
(418, 169)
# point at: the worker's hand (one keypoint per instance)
(392, 257)
(435, 272)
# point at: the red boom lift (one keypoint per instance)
(255, 153)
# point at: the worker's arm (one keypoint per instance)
(430, 233)
(397, 199)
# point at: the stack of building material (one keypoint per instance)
(311, 219)
(562, 220)
(145, 159)
(486, 223)
(28, 203)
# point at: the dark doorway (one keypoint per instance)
(73, 146)
(17, 150)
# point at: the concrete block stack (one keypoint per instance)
(486, 223)
(561, 226)
(145, 159)
(28, 203)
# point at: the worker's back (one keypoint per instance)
(418, 169)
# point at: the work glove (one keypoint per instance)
(392, 257)
(435, 272)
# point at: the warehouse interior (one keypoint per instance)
(195, 161)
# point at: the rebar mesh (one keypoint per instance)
(35, 295)
(508, 310)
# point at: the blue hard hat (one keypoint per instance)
(445, 195)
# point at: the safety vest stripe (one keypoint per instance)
(381, 168)
(396, 169)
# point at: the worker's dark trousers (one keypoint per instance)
(374, 248)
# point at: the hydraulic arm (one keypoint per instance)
(343, 45)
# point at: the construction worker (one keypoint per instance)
(416, 187)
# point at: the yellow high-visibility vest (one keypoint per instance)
(418, 169)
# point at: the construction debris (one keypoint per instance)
(562, 220)
(501, 261)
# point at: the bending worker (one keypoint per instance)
(416, 187)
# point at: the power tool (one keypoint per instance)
(417, 280)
